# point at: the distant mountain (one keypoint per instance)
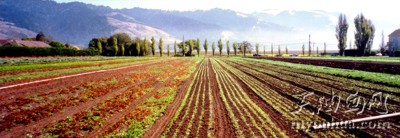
(77, 23)
(314, 20)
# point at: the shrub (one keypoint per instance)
(397, 53)
(372, 53)
(351, 52)
(56, 44)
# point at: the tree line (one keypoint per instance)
(363, 36)
(121, 44)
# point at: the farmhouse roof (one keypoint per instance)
(31, 43)
(395, 33)
(24, 43)
(4, 41)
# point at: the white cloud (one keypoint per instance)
(226, 35)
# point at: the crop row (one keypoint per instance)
(29, 109)
(249, 120)
(326, 89)
(273, 77)
(110, 111)
(351, 85)
(17, 69)
(76, 99)
(28, 76)
(142, 117)
(281, 104)
(194, 117)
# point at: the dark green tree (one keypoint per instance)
(122, 50)
(287, 50)
(198, 46)
(153, 46)
(99, 46)
(160, 47)
(303, 49)
(123, 39)
(138, 48)
(41, 37)
(113, 42)
(67, 45)
(227, 47)
(220, 46)
(183, 47)
(341, 33)
(245, 47)
(191, 47)
(213, 48)
(235, 47)
(92, 43)
(115, 45)
(168, 49)
(205, 46)
(56, 44)
(279, 50)
(272, 49)
(364, 34)
(264, 49)
(257, 47)
(175, 47)
(144, 47)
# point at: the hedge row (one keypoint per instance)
(16, 51)
(396, 54)
(355, 52)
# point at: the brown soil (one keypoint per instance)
(223, 125)
(293, 85)
(37, 126)
(158, 127)
(275, 116)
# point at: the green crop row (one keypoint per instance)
(238, 98)
(381, 78)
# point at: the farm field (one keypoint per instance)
(375, 65)
(371, 58)
(188, 97)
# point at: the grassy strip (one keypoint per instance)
(33, 75)
(382, 78)
(64, 64)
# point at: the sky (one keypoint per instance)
(383, 13)
(378, 9)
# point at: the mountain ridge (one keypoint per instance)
(78, 22)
